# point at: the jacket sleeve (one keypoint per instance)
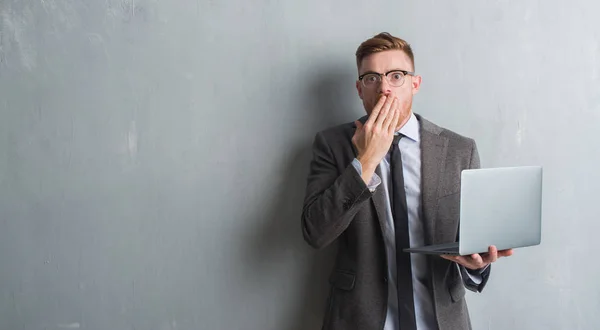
(475, 280)
(332, 199)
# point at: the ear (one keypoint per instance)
(359, 89)
(416, 84)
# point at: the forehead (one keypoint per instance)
(386, 61)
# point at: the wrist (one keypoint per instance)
(367, 164)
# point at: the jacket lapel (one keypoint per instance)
(433, 161)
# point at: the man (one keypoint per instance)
(385, 182)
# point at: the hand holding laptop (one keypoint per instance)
(478, 261)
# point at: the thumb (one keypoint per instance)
(359, 125)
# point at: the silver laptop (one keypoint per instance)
(498, 206)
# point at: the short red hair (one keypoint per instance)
(382, 42)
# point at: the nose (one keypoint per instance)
(384, 87)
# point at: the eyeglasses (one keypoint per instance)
(394, 77)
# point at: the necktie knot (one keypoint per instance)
(395, 142)
(397, 138)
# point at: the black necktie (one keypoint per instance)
(406, 308)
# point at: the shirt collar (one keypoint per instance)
(411, 128)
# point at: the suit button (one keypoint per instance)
(385, 279)
(346, 204)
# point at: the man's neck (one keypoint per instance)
(403, 121)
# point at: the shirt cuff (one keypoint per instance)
(375, 179)
(475, 274)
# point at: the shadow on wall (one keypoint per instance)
(332, 97)
(329, 101)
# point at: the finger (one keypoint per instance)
(469, 262)
(358, 132)
(487, 258)
(493, 254)
(389, 120)
(476, 260)
(375, 113)
(505, 253)
(448, 257)
(359, 125)
(463, 260)
(384, 111)
(394, 123)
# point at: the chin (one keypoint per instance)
(369, 107)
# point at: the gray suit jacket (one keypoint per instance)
(339, 207)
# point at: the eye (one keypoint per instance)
(397, 76)
(370, 78)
